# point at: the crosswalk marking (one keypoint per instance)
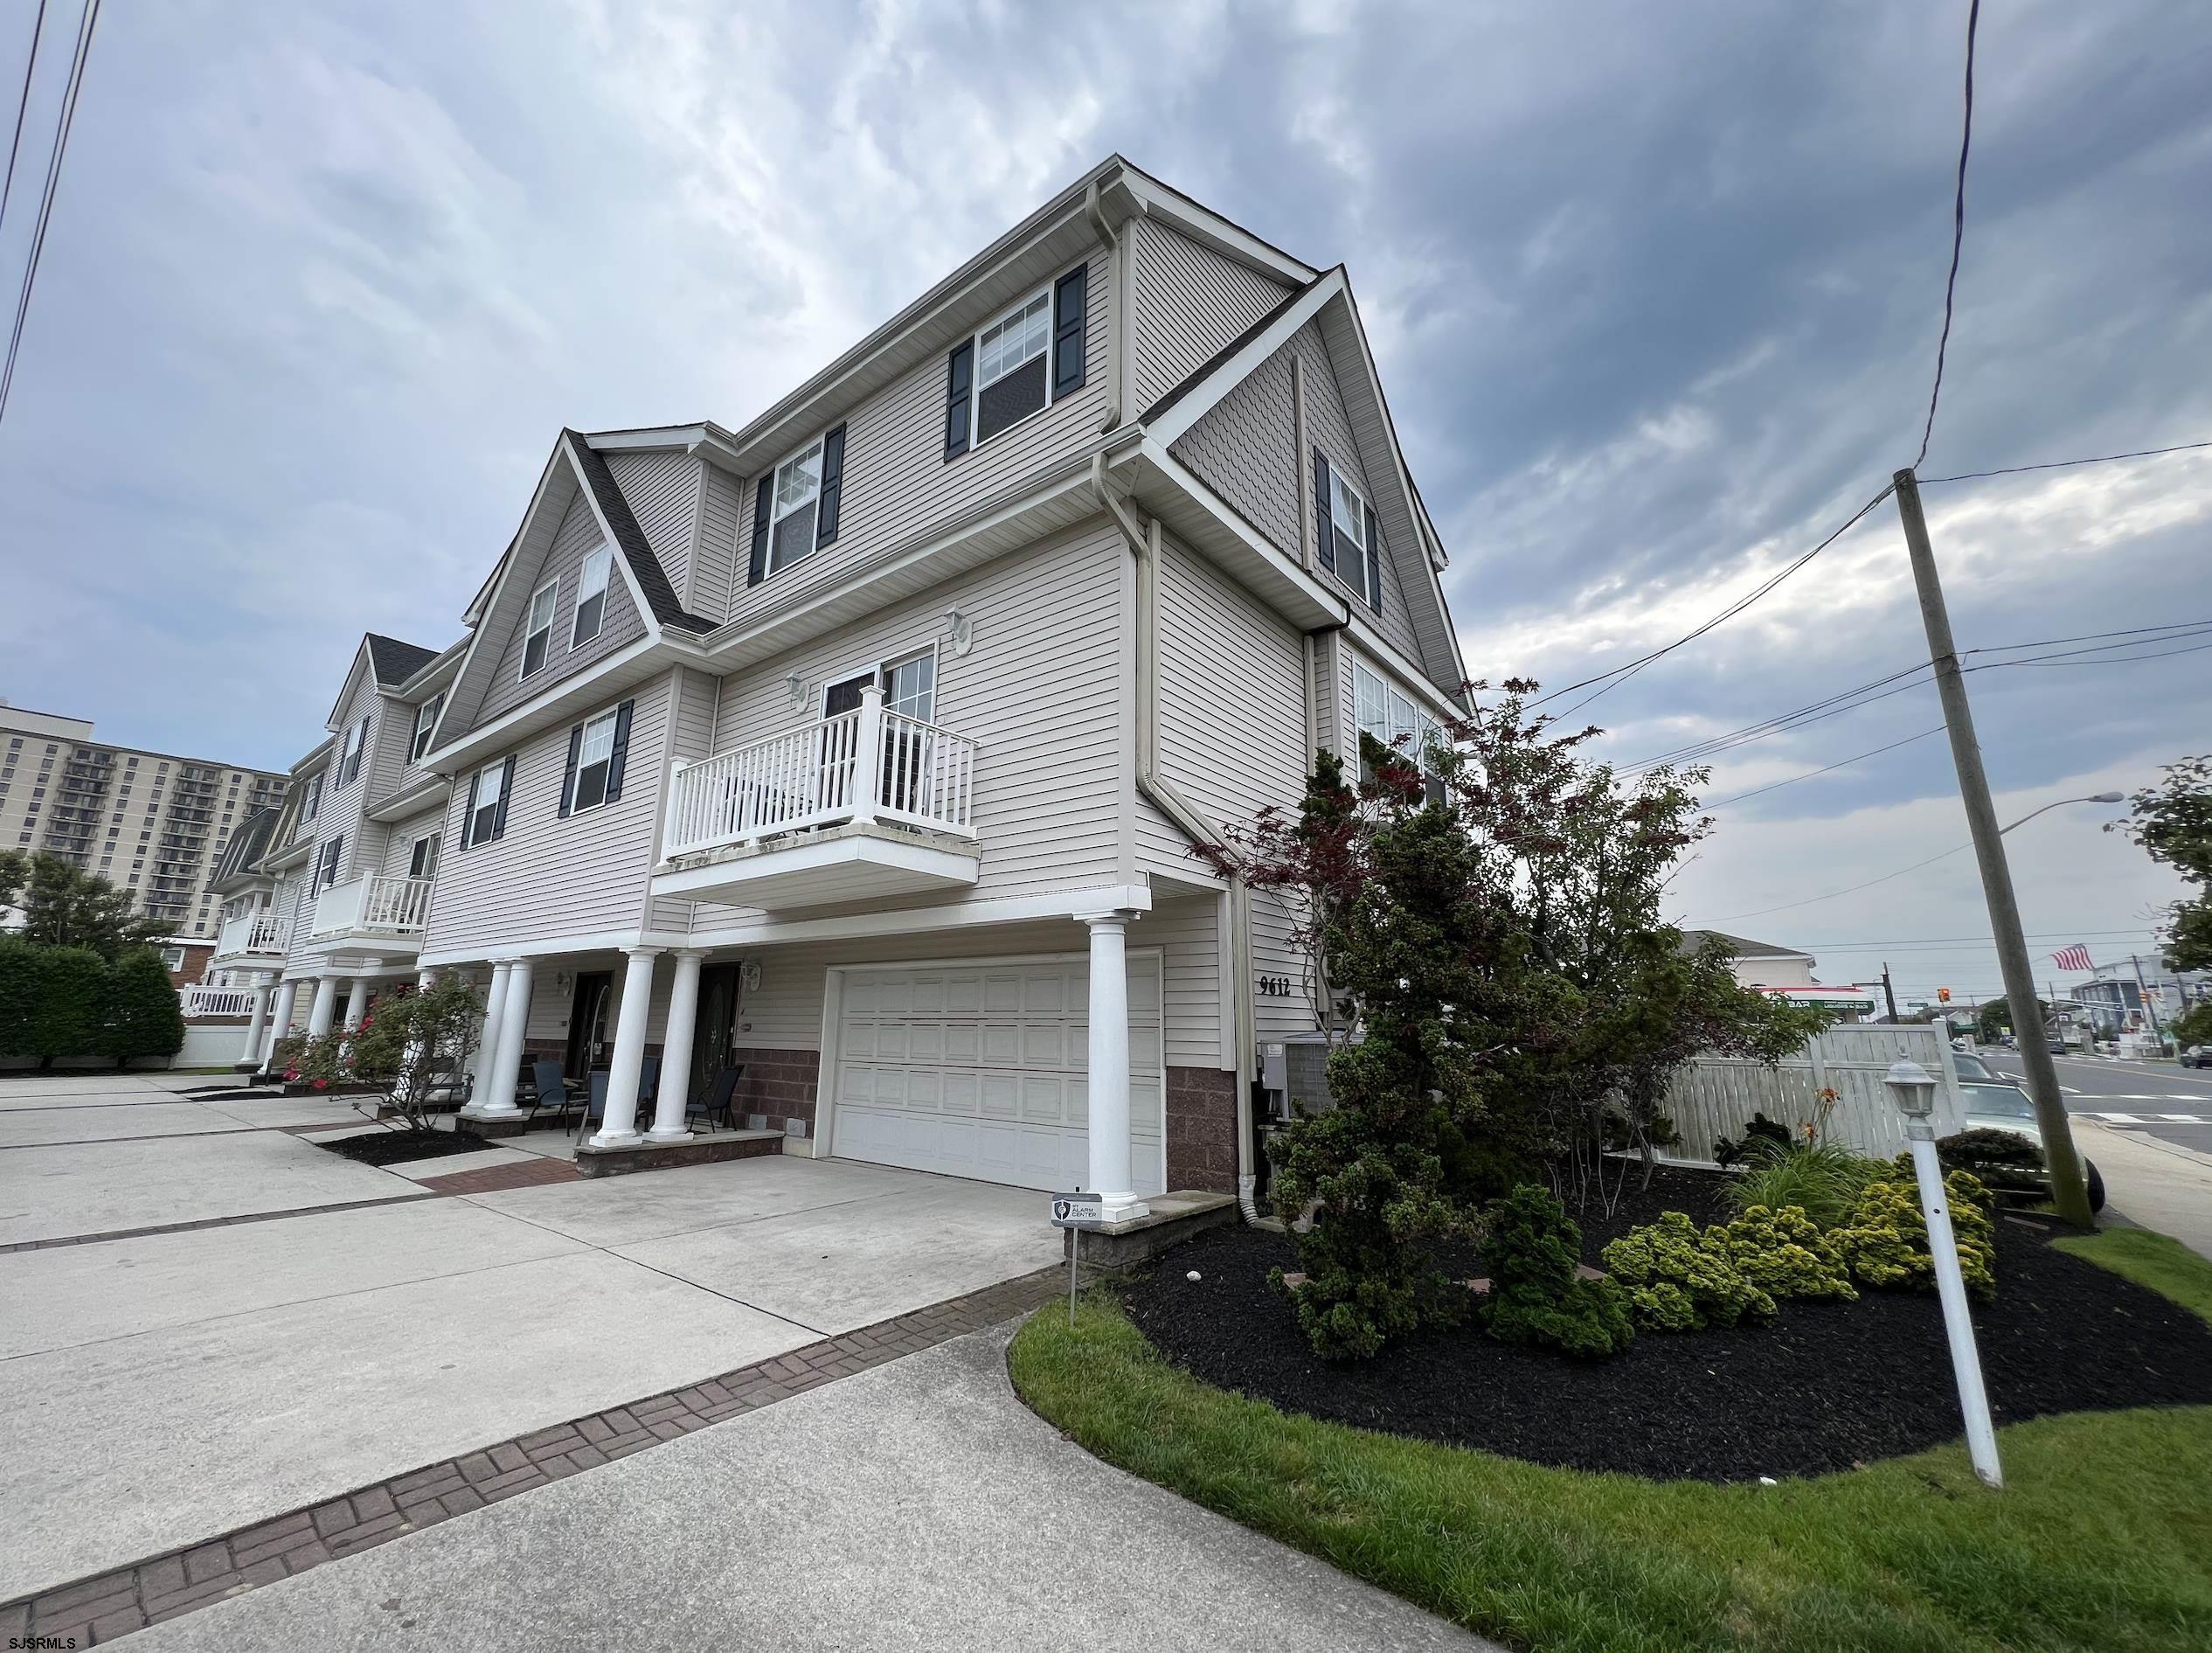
(2149, 1119)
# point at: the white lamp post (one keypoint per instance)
(1916, 1097)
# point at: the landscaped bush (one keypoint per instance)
(142, 1016)
(2004, 1161)
(1679, 1279)
(1886, 1241)
(1532, 1250)
(1785, 1254)
(1822, 1179)
(1761, 1138)
(61, 1002)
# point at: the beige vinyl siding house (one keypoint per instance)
(881, 825)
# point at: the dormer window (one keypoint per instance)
(591, 597)
(1023, 361)
(794, 510)
(426, 724)
(538, 642)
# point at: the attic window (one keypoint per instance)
(1010, 366)
(538, 640)
(591, 597)
(1348, 515)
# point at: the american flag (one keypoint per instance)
(2072, 958)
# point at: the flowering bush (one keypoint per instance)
(1680, 1280)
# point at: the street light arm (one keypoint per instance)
(2094, 797)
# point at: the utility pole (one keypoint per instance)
(1887, 994)
(2143, 992)
(2069, 1193)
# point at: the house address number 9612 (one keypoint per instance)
(1274, 986)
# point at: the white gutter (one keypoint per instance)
(1144, 544)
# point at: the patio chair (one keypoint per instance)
(550, 1090)
(719, 1090)
(595, 1103)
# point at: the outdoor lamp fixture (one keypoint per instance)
(797, 687)
(960, 629)
(1915, 1095)
(2094, 797)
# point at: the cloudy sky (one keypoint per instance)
(1656, 291)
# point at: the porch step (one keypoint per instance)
(700, 1150)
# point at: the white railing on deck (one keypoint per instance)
(257, 932)
(199, 1000)
(378, 905)
(869, 764)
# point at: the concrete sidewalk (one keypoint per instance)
(917, 1506)
(2152, 1182)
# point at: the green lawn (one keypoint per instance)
(2101, 1541)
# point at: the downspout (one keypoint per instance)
(1144, 544)
(1120, 322)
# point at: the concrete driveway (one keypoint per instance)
(296, 1326)
(917, 1506)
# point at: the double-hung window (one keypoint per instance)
(1388, 712)
(426, 724)
(796, 508)
(422, 861)
(486, 816)
(597, 748)
(538, 642)
(311, 798)
(349, 765)
(591, 597)
(326, 863)
(1351, 545)
(1019, 363)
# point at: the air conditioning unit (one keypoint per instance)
(1294, 1073)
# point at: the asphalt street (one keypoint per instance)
(2157, 1099)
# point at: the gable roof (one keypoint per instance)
(621, 521)
(1744, 946)
(248, 844)
(395, 661)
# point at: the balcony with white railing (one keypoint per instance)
(201, 1000)
(380, 910)
(867, 803)
(249, 937)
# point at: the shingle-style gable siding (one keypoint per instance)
(1246, 449)
(662, 489)
(1189, 302)
(577, 537)
(898, 482)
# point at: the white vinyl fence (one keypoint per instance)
(1716, 1096)
(211, 1046)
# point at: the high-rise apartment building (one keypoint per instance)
(149, 822)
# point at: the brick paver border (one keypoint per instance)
(490, 1179)
(111, 1604)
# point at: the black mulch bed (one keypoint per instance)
(1823, 1386)
(392, 1147)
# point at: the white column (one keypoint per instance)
(326, 1004)
(257, 1030)
(619, 1128)
(425, 980)
(357, 1002)
(675, 1049)
(868, 755)
(498, 1096)
(282, 1001)
(1107, 1131)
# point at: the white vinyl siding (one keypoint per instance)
(662, 489)
(542, 560)
(1189, 302)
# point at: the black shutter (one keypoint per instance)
(1373, 563)
(960, 378)
(568, 776)
(468, 815)
(764, 501)
(622, 752)
(1067, 330)
(832, 486)
(506, 796)
(1325, 526)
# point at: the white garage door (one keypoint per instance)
(977, 1070)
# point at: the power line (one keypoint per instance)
(2062, 464)
(1813, 900)
(23, 106)
(87, 22)
(1958, 233)
(2032, 936)
(2124, 660)
(1841, 763)
(1621, 674)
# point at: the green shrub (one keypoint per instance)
(1680, 1280)
(1783, 1254)
(1822, 1179)
(1761, 1138)
(71, 990)
(2004, 1161)
(1886, 1241)
(142, 1017)
(1532, 1249)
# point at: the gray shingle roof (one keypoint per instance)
(637, 551)
(395, 661)
(1744, 948)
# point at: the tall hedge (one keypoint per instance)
(142, 1017)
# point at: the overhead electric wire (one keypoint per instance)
(2032, 936)
(1958, 233)
(2062, 464)
(1841, 763)
(23, 106)
(87, 21)
(2165, 653)
(1811, 900)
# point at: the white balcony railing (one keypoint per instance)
(262, 934)
(867, 764)
(198, 1000)
(378, 905)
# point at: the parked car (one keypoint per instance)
(1997, 1104)
(1971, 1067)
(2197, 1056)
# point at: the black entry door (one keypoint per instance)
(587, 1023)
(715, 1037)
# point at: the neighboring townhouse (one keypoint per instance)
(328, 897)
(864, 747)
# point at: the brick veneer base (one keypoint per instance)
(1201, 1130)
(111, 1604)
(777, 1086)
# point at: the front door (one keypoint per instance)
(587, 1045)
(714, 1039)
